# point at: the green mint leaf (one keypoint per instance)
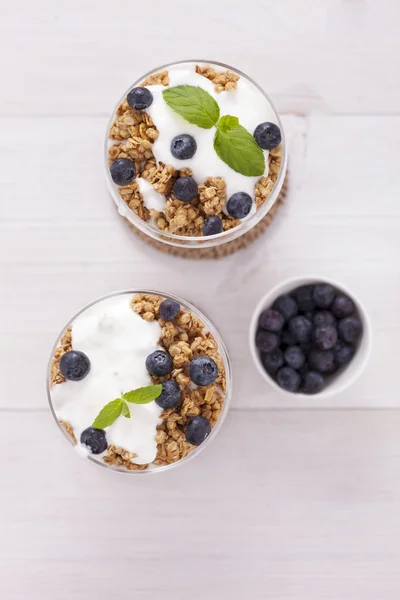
(143, 395)
(193, 104)
(125, 411)
(227, 123)
(238, 149)
(108, 414)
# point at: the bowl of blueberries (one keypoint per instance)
(310, 336)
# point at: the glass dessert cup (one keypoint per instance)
(209, 327)
(189, 242)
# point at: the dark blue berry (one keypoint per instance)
(272, 361)
(185, 189)
(94, 439)
(239, 205)
(271, 320)
(288, 379)
(197, 430)
(321, 360)
(74, 365)
(342, 306)
(343, 353)
(139, 98)
(324, 317)
(267, 341)
(183, 146)
(304, 298)
(267, 135)
(350, 329)
(169, 309)
(170, 395)
(203, 370)
(323, 295)
(295, 357)
(123, 171)
(287, 306)
(301, 328)
(313, 382)
(159, 363)
(288, 339)
(212, 226)
(325, 336)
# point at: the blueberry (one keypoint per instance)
(197, 429)
(288, 338)
(321, 360)
(212, 226)
(301, 328)
(304, 298)
(324, 317)
(325, 336)
(139, 98)
(123, 171)
(185, 189)
(170, 395)
(169, 309)
(313, 382)
(288, 379)
(183, 146)
(267, 135)
(343, 353)
(323, 295)
(239, 205)
(287, 306)
(295, 357)
(74, 365)
(271, 320)
(342, 306)
(94, 439)
(203, 370)
(350, 329)
(159, 363)
(267, 341)
(272, 361)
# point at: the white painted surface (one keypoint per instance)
(316, 515)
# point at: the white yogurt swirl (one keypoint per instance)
(117, 342)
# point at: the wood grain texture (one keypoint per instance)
(283, 505)
(333, 56)
(65, 245)
(293, 500)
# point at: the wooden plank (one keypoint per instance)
(62, 244)
(331, 56)
(289, 505)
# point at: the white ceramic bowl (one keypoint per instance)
(344, 377)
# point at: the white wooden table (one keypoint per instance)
(294, 500)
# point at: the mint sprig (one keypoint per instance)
(111, 411)
(232, 142)
(194, 104)
(238, 148)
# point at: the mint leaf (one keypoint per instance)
(227, 123)
(238, 148)
(125, 411)
(108, 414)
(143, 395)
(193, 104)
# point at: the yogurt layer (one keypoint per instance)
(247, 103)
(117, 342)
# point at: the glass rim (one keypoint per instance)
(196, 241)
(221, 348)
